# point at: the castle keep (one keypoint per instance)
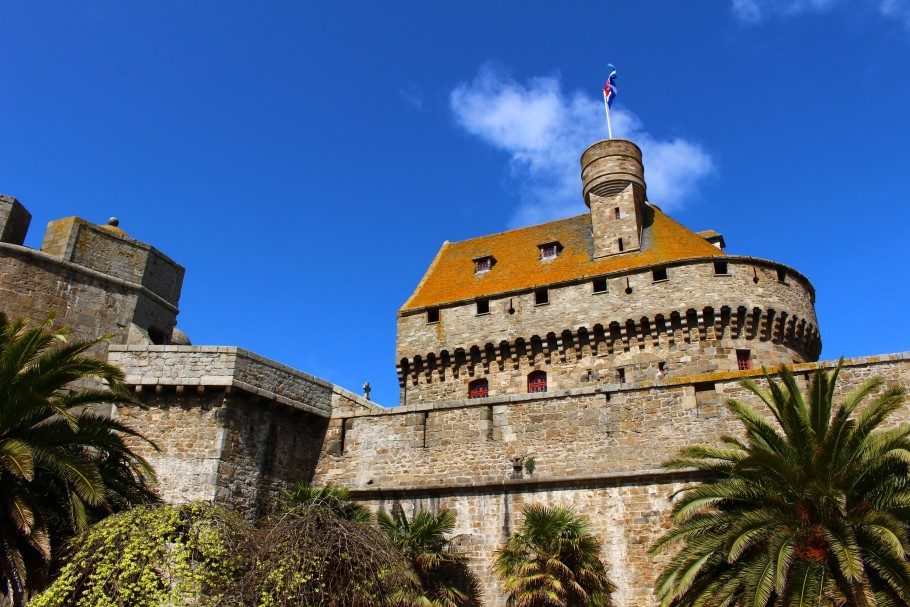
(619, 294)
(597, 345)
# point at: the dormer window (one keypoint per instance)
(483, 264)
(549, 250)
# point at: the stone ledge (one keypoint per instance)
(614, 388)
(654, 475)
(227, 367)
(359, 400)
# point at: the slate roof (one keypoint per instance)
(518, 267)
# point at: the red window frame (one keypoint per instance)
(479, 388)
(537, 382)
(743, 360)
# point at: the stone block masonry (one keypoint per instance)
(14, 220)
(229, 426)
(597, 449)
(225, 367)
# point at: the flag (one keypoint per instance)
(610, 86)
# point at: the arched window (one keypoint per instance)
(479, 388)
(537, 381)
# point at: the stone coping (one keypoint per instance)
(791, 272)
(74, 267)
(360, 400)
(659, 475)
(227, 367)
(610, 388)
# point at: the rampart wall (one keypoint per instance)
(598, 449)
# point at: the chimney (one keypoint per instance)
(613, 186)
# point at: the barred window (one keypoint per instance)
(537, 381)
(479, 388)
(743, 360)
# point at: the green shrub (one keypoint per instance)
(149, 557)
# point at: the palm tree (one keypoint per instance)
(330, 497)
(61, 465)
(812, 510)
(444, 577)
(553, 560)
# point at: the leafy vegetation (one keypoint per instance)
(311, 556)
(149, 557)
(331, 497)
(553, 560)
(61, 465)
(812, 510)
(443, 573)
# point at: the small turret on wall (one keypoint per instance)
(613, 186)
(14, 220)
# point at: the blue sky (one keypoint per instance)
(305, 160)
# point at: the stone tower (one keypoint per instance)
(613, 187)
(619, 294)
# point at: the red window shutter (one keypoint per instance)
(479, 388)
(743, 361)
(537, 381)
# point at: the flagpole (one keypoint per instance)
(607, 110)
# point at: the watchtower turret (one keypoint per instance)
(613, 186)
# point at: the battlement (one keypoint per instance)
(108, 249)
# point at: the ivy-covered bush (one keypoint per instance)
(166, 556)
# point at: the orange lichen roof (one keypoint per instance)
(518, 267)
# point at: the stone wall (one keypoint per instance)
(224, 445)
(627, 515)
(232, 427)
(34, 285)
(267, 447)
(598, 449)
(189, 431)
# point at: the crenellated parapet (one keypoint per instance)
(685, 340)
(695, 315)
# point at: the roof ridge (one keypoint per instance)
(533, 225)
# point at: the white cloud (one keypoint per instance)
(754, 11)
(896, 9)
(544, 130)
(747, 11)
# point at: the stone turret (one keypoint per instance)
(14, 220)
(613, 186)
(92, 278)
